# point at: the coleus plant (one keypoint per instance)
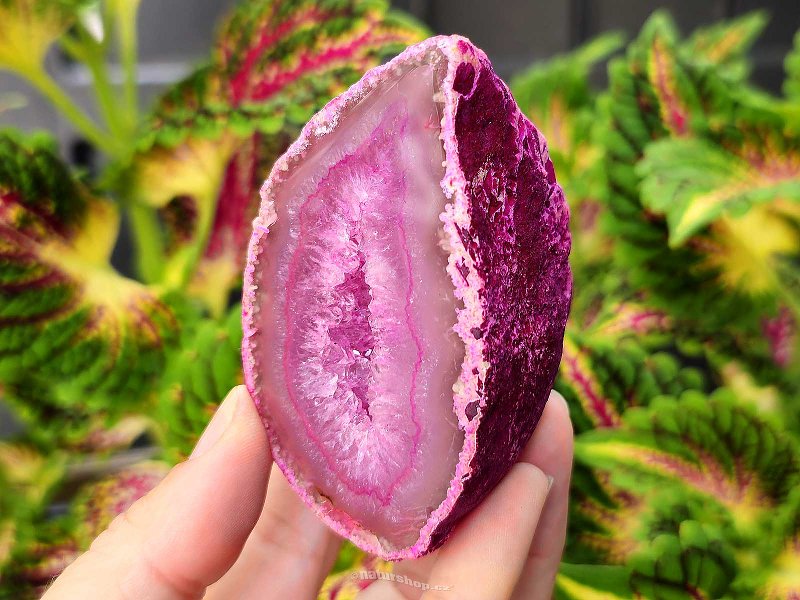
(695, 164)
(715, 498)
(69, 319)
(679, 363)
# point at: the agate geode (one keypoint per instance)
(405, 297)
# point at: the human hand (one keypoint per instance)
(214, 527)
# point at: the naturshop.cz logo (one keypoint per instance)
(364, 575)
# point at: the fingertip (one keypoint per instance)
(526, 480)
(524, 491)
(558, 410)
(551, 445)
(241, 430)
(509, 513)
(241, 393)
(489, 548)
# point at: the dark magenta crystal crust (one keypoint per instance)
(504, 242)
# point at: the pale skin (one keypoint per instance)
(225, 524)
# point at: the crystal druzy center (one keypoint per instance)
(352, 336)
(348, 294)
(363, 356)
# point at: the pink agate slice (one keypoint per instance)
(405, 298)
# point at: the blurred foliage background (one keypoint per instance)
(680, 361)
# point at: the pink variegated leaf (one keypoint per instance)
(630, 318)
(35, 566)
(592, 582)
(576, 374)
(50, 545)
(98, 503)
(713, 446)
(676, 97)
(66, 317)
(603, 374)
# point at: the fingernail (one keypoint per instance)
(217, 426)
(557, 395)
(550, 480)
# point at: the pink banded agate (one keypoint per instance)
(405, 297)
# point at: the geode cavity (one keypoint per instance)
(405, 298)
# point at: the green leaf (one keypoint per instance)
(198, 379)
(53, 423)
(66, 317)
(211, 140)
(8, 522)
(36, 563)
(672, 544)
(718, 195)
(781, 577)
(693, 562)
(31, 476)
(610, 523)
(791, 86)
(50, 544)
(592, 582)
(725, 44)
(552, 90)
(695, 182)
(28, 482)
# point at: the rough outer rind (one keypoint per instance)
(506, 222)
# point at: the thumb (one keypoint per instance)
(188, 531)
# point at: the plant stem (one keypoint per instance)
(126, 18)
(93, 57)
(148, 242)
(53, 92)
(108, 104)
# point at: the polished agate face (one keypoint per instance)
(362, 356)
(394, 281)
